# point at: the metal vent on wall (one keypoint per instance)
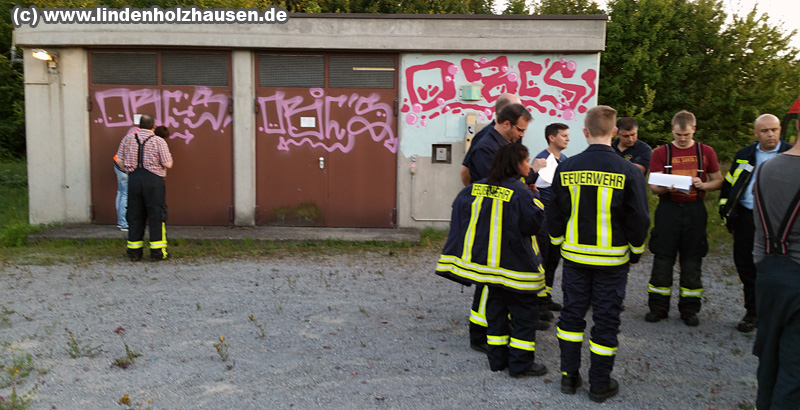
(125, 68)
(361, 72)
(276, 70)
(194, 69)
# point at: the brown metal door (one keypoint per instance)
(326, 155)
(200, 184)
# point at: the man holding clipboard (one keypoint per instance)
(680, 174)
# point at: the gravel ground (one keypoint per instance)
(364, 330)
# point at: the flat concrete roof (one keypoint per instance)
(364, 32)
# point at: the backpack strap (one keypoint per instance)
(776, 243)
(668, 164)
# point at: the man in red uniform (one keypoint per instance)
(680, 220)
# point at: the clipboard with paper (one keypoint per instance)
(549, 171)
(682, 183)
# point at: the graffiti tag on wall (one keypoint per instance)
(281, 115)
(180, 111)
(432, 89)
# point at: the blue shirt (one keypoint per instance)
(761, 157)
(479, 160)
(640, 153)
(544, 191)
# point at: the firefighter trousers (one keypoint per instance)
(680, 228)
(477, 316)
(512, 348)
(603, 289)
(778, 337)
(146, 203)
(743, 237)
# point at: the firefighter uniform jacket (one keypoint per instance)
(490, 240)
(738, 178)
(595, 193)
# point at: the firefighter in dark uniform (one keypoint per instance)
(600, 219)
(491, 243)
(509, 128)
(146, 158)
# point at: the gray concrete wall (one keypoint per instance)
(413, 33)
(244, 138)
(58, 138)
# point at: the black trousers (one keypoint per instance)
(778, 337)
(147, 202)
(515, 347)
(477, 315)
(743, 234)
(604, 290)
(551, 255)
(680, 228)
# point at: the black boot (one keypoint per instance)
(570, 382)
(536, 369)
(599, 394)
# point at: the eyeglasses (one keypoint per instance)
(521, 130)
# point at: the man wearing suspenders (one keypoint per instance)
(146, 158)
(776, 252)
(680, 221)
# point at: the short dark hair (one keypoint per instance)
(147, 121)
(505, 163)
(553, 129)
(512, 113)
(162, 131)
(627, 124)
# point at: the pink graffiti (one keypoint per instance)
(174, 109)
(426, 84)
(366, 115)
(427, 92)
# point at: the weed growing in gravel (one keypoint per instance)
(260, 333)
(16, 401)
(15, 368)
(4, 316)
(223, 351)
(127, 360)
(77, 348)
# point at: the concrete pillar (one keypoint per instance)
(244, 138)
(74, 71)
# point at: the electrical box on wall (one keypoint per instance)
(442, 154)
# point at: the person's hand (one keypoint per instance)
(538, 164)
(698, 183)
(533, 187)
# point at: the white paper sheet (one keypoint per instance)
(681, 182)
(549, 171)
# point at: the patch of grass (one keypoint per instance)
(15, 368)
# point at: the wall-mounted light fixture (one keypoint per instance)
(44, 55)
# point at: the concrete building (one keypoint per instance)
(326, 120)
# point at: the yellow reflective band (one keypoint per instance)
(495, 234)
(497, 340)
(538, 203)
(691, 293)
(590, 249)
(595, 260)
(484, 300)
(528, 281)
(135, 245)
(660, 291)
(469, 237)
(604, 196)
(491, 191)
(566, 336)
(522, 345)
(637, 250)
(602, 350)
(730, 178)
(158, 245)
(572, 223)
(478, 319)
(557, 241)
(535, 245)
(596, 178)
(723, 201)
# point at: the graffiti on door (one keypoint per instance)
(554, 87)
(319, 118)
(180, 111)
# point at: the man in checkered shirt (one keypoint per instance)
(146, 157)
